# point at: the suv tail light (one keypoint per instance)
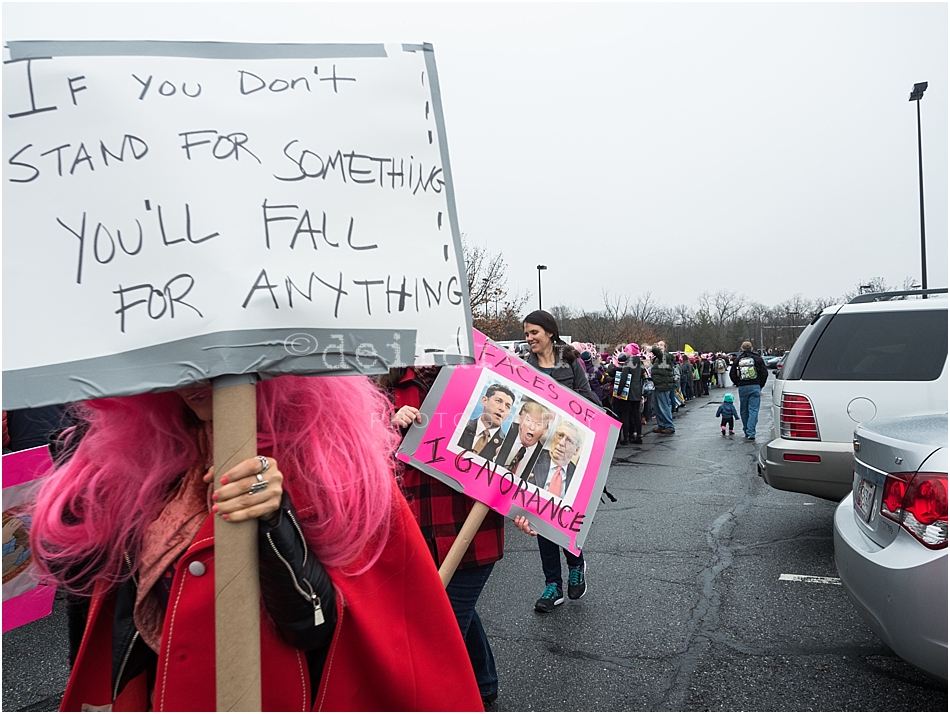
(918, 503)
(797, 418)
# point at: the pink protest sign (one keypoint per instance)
(24, 598)
(511, 437)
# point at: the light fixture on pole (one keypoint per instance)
(540, 268)
(916, 96)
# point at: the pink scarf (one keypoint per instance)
(164, 542)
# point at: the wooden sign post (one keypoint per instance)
(462, 541)
(236, 581)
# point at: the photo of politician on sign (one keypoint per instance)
(486, 430)
(523, 446)
(555, 467)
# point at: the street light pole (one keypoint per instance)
(790, 338)
(916, 96)
(540, 268)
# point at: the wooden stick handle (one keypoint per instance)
(462, 541)
(237, 616)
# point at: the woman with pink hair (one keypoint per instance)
(128, 521)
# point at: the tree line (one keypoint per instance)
(719, 321)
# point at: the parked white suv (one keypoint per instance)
(875, 357)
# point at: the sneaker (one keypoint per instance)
(723, 432)
(731, 432)
(750, 437)
(638, 440)
(576, 582)
(550, 598)
(667, 432)
(489, 699)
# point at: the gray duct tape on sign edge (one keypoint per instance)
(265, 353)
(35, 49)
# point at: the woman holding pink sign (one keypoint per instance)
(557, 359)
(440, 512)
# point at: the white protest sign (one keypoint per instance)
(177, 211)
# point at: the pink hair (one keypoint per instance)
(331, 437)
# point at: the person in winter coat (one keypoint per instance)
(705, 373)
(662, 375)
(551, 355)
(129, 519)
(750, 374)
(594, 375)
(727, 412)
(626, 379)
(686, 377)
(721, 369)
(697, 378)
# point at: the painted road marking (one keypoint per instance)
(810, 579)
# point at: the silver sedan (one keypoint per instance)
(891, 536)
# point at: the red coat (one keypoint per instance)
(397, 645)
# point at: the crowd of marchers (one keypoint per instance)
(124, 525)
(645, 385)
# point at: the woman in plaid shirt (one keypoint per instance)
(440, 512)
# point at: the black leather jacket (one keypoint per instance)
(294, 586)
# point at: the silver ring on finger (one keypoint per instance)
(264, 465)
(258, 487)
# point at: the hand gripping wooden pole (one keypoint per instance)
(237, 617)
(462, 542)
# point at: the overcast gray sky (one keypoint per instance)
(673, 148)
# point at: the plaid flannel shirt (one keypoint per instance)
(440, 510)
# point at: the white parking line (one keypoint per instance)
(810, 579)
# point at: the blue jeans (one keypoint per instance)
(551, 561)
(648, 407)
(463, 591)
(664, 410)
(749, 398)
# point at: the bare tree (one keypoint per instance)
(716, 315)
(820, 303)
(645, 309)
(495, 310)
(564, 316)
(615, 308)
(871, 285)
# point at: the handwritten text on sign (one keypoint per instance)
(149, 199)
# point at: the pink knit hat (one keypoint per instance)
(632, 349)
